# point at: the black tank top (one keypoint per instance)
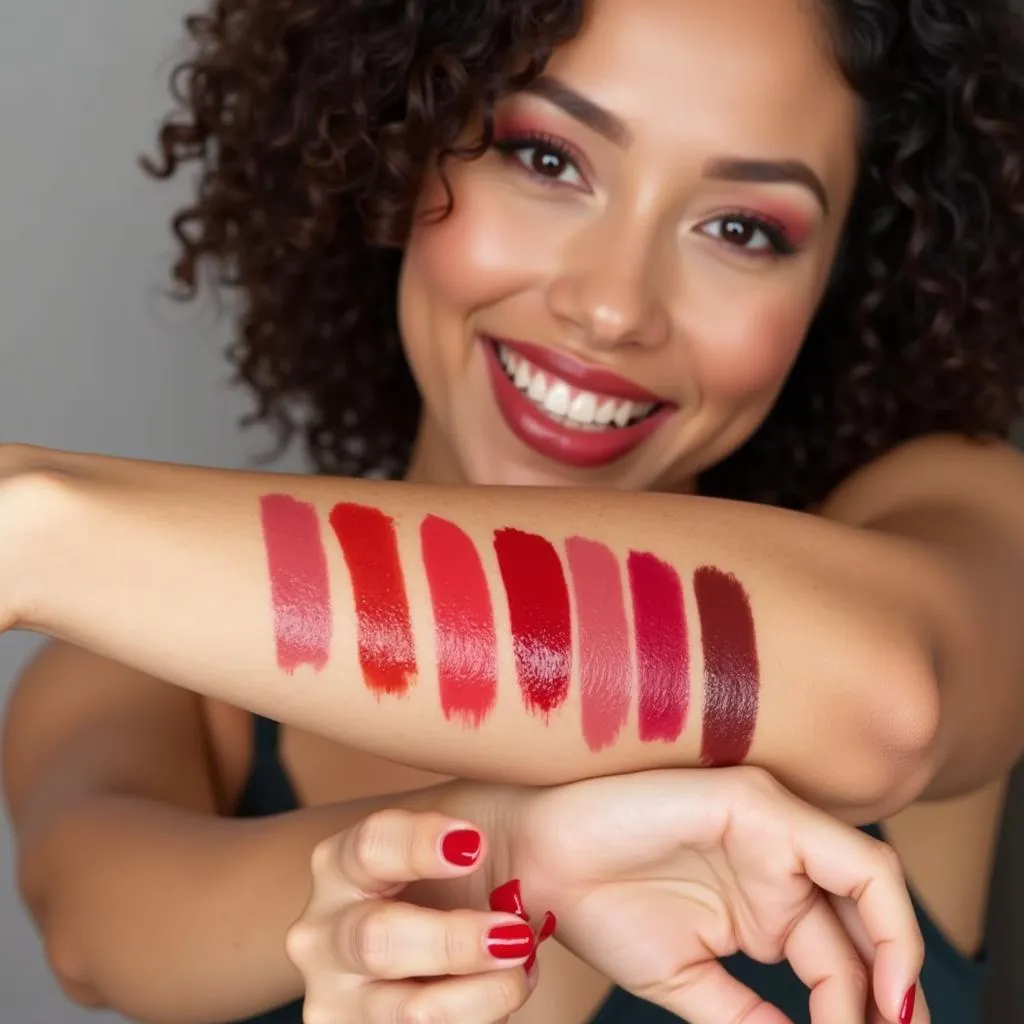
(952, 983)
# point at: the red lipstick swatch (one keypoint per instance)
(299, 589)
(731, 672)
(370, 546)
(538, 604)
(606, 669)
(663, 656)
(467, 649)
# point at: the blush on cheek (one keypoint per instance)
(750, 354)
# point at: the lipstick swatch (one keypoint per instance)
(538, 604)
(467, 648)
(662, 651)
(299, 590)
(384, 631)
(606, 669)
(731, 670)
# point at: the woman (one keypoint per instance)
(731, 251)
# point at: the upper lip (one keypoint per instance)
(582, 376)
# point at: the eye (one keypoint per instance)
(752, 235)
(543, 158)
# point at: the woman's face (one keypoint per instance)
(625, 280)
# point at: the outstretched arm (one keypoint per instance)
(523, 635)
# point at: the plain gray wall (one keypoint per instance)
(91, 357)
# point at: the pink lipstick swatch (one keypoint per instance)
(663, 658)
(606, 668)
(731, 670)
(538, 604)
(467, 649)
(384, 630)
(299, 591)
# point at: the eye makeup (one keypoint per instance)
(627, 619)
(299, 591)
(370, 548)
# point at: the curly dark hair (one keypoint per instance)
(312, 122)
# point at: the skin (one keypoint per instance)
(711, 329)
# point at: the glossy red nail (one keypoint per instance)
(508, 899)
(907, 1009)
(461, 847)
(547, 927)
(511, 941)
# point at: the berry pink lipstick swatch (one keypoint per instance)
(622, 626)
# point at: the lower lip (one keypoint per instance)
(583, 449)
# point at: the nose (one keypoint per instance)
(608, 288)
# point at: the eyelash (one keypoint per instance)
(772, 230)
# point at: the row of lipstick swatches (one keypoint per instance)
(651, 660)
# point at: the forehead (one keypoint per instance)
(752, 77)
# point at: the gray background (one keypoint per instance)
(91, 357)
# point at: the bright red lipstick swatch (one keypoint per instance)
(662, 648)
(299, 590)
(370, 546)
(731, 672)
(467, 648)
(538, 604)
(606, 668)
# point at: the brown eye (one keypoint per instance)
(545, 161)
(747, 234)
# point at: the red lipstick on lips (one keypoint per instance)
(581, 448)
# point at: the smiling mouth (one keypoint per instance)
(569, 406)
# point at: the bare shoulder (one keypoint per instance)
(942, 473)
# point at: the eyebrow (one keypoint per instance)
(613, 128)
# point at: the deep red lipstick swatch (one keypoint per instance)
(732, 679)
(538, 605)
(662, 648)
(299, 590)
(370, 545)
(606, 667)
(467, 648)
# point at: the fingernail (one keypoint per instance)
(531, 962)
(907, 1009)
(510, 941)
(508, 899)
(461, 847)
(547, 927)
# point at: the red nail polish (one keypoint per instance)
(547, 927)
(907, 1010)
(461, 847)
(510, 941)
(530, 961)
(508, 899)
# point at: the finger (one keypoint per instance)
(825, 959)
(479, 999)
(868, 872)
(398, 940)
(391, 848)
(706, 993)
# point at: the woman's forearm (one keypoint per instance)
(513, 634)
(162, 914)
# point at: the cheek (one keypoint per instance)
(482, 252)
(750, 354)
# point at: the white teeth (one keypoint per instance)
(606, 412)
(560, 401)
(538, 388)
(583, 408)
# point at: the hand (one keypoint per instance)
(655, 876)
(366, 957)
